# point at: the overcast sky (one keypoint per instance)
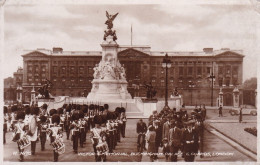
(171, 27)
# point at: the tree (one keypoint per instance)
(250, 83)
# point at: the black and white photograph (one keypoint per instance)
(122, 81)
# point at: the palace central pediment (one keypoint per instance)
(35, 54)
(132, 53)
(229, 54)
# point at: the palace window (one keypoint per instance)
(199, 70)
(190, 70)
(43, 68)
(72, 70)
(63, 70)
(208, 70)
(30, 68)
(81, 70)
(162, 82)
(36, 68)
(180, 70)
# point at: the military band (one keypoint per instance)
(174, 131)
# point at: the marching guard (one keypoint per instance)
(56, 137)
(67, 121)
(123, 120)
(43, 129)
(20, 135)
(33, 128)
(75, 131)
(98, 140)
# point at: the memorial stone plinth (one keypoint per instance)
(109, 81)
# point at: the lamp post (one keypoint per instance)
(191, 85)
(166, 64)
(212, 77)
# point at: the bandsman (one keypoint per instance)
(75, 130)
(56, 136)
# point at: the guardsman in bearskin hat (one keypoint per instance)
(74, 126)
(56, 134)
(19, 132)
(62, 117)
(85, 111)
(5, 122)
(114, 127)
(110, 137)
(91, 115)
(123, 119)
(13, 116)
(98, 139)
(106, 107)
(82, 130)
(190, 139)
(118, 123)
(44, 109)
(67, 121)
(43, 127)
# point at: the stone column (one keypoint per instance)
(236, 97)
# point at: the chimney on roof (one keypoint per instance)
(225, 49)
(57, 50)
(208, 50)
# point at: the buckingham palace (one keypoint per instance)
(71, 72)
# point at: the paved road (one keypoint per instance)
(212, 144)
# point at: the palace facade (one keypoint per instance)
(71, 72)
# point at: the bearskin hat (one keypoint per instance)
(75, 116)
(81, 114)
(97, 119)
(14, 108)
(52, 112)
(104, 119)
(28, 110)
(122, 109)
(85, 108)
(91, 107)
(55, 118)
(60, 111)
(43, 118)
(73, 106)
(20, 115)
(44, 106)
(68, 108)
(64, 106)
(106, 106)
(118, 110)
(78, 107)
(5, 109)
(96, 106)
(109, 115)
(115, 115)
(101, 108)
(34, 110)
